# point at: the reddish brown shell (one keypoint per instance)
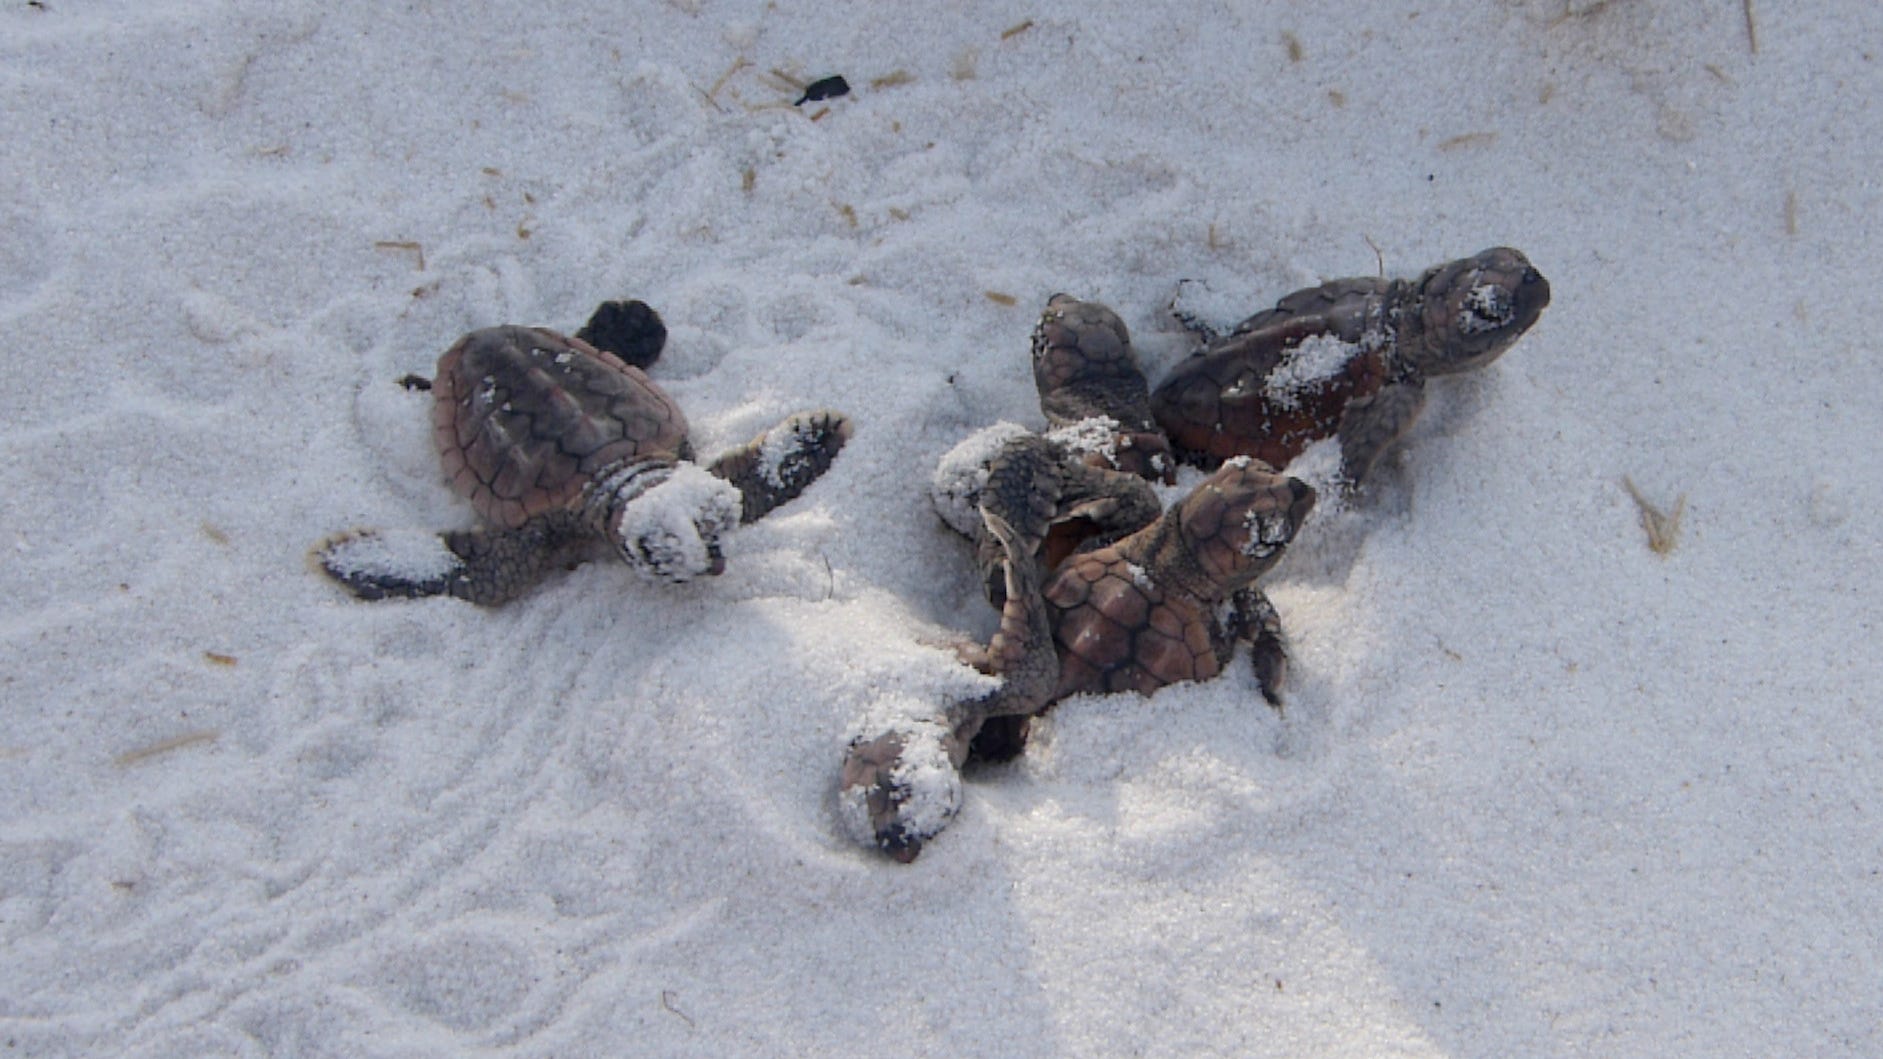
(1218, 404)
(1117, 630)
(1141, 613)
(524, 418)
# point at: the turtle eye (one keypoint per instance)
(656, 555)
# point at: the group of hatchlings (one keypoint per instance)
(567, 450)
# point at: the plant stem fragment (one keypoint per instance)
(1663, 528)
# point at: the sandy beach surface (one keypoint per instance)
(1538, 789)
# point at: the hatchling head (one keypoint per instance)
(1240, 519)
(1474, 308)
(671, 532)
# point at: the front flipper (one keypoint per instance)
(486, 567)
(995, 727)
(1024, 482)
(1021, 653)
(1252, 617)
(782, 462)
(902, 786)
(1113, 503)
(1057, 506)
(1091, 508)
(1373, 423)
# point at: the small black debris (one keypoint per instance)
(415, 382)
(828, 88)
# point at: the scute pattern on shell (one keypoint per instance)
(525, 417)
(1116, 630)
(1089, 380)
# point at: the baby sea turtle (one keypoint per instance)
(1347, 358)
(1165, 604)
(566, 450)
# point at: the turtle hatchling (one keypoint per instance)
(1165, 604)
(565, 451)
(1348, 358)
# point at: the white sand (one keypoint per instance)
(1539, 791)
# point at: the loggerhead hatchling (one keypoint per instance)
(1089, 468)
(1165, 604)
(565, 451)
(1348, 358)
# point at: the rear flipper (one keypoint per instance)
(776, 466)
(1252, 617)
(486, 567)
(1189, 307)
(901, 787)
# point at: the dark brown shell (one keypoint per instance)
(1217, 404)
(1455, 317)
(524, 418)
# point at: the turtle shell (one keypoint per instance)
(1141, 613)
(1280, 381)
(1118, 630)
(525, 418)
